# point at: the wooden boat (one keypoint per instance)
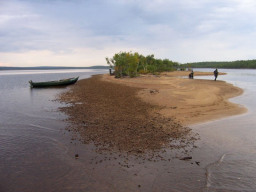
(61, 82)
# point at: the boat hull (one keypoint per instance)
(62, 82)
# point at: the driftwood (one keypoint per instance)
(186, 158)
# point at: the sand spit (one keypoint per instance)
(113, 117)
(147, 113)
(190, 101)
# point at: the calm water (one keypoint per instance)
(232, 141)
(36, 153)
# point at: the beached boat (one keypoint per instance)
(61, 82)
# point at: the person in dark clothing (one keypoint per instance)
(216, 73)
(191, 75)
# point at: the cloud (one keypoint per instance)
(78, 57)
(57, 32)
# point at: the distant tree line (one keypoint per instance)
(242, 64)
(133, 64)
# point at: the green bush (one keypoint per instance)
(131, 64)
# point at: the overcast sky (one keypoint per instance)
(84, 32)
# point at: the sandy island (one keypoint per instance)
(147, 113)
(190, 101)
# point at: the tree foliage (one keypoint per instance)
(132, 64)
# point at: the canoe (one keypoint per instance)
(61, 82)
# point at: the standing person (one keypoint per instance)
(191, 75)
(215, 74)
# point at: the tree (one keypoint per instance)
(132, 61)
(128, 63)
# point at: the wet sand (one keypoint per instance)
(135, 130)
(114, 118)
(147, 113)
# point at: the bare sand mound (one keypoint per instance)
(190, 101)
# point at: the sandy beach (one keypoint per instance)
(147, 113)
(190, 101)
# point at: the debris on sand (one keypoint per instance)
(112, 117)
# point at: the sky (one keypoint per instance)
(82, 33)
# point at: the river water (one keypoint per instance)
(34, 148)
(232, 141)
(37, 153)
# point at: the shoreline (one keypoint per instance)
(190, 101)
(145, 114)
(113, 118)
